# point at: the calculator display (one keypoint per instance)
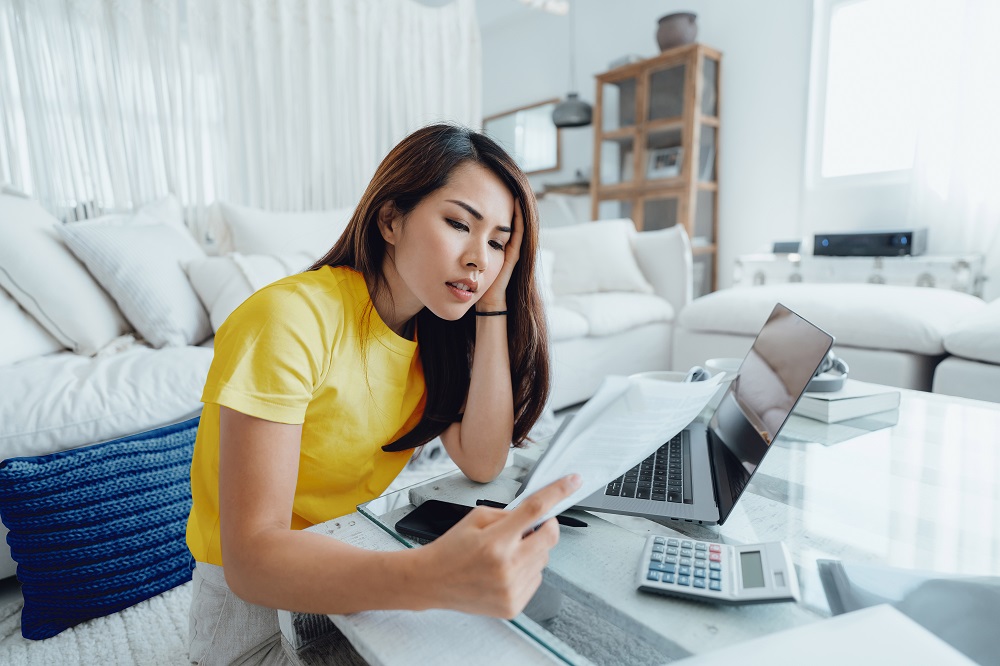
(753, 569)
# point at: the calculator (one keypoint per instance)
(705, 571)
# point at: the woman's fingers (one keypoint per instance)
(529, 513)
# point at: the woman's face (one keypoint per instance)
(448, 250)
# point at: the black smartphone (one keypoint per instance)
(431, 519)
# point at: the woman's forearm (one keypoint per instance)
(488, 424)
(312, 573)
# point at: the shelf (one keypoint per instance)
(645, 113)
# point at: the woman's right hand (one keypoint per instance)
(490, 562)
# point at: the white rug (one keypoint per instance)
(152, 632)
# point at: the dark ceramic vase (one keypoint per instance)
(677, 30)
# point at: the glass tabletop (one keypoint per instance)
(914, 490)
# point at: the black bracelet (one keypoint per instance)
(490, 314)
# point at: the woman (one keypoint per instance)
(423, 320)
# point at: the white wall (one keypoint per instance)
(766, 50)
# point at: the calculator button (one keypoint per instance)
(672, 551)
(659, 541)
(656, 566)
(715, 557)
(668, 577)
(715, 585)
(686, 544)
(699, 582)
(700, 546)
(699, 573)
(684, 571)
(715, 548)
(671, 559)
(656, 557)
(715, 566)
(715, 575)
(673, 542)
(700, 555)
(683, 580)
(686, 561)
(653, 575)
(657, 549)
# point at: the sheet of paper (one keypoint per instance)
(625, 421)
(876, 635)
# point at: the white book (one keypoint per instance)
(854, 400)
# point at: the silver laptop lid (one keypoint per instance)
(773, 376)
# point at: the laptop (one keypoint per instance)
(701, 473)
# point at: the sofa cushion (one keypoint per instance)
(137, 259)
(564, 324)
(909, 319)
(256, 231)
(977, 337)
(65, 400)
(23, 336)
(223, 283)
(611, 313)
(594, 257)
(98, 529)
(44, 277)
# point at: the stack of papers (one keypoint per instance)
(854, 400)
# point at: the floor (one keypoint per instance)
(10, 590)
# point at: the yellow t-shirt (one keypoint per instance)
(291, 354)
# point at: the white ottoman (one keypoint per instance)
(973, 370)
(887, 334)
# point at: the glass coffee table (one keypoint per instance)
(915, 489)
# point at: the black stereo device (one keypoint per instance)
(871, 244)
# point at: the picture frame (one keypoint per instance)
(664, 162)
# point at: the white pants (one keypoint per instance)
(224, 629)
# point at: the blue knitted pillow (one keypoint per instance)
(100, 528)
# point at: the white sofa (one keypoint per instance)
(107, 323)
(613, 295)
(911, 337)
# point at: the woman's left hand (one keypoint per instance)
(495, 298)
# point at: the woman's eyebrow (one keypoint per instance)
(476, 214)
(472, 211)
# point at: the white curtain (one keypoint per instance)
(955, 190)
(281, 104)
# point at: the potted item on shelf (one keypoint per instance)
(676, 30)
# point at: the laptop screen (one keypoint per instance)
(772, 378)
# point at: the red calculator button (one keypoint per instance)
(715, 549)
(715, 557)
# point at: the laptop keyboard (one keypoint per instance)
(665, 476)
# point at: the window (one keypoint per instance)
(871, 77)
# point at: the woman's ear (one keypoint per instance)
(388, 222)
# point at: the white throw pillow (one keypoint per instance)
(138, 260)
(255, 231)
(63, 401)
(23, 337)
(44, 277)
(594, 257)
(223, 283)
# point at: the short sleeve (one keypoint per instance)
(271, 354)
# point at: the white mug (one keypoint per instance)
(730, 366)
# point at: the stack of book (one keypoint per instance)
(854, 400)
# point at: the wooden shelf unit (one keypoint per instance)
(650, 118)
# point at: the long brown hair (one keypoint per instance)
(419, 165)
